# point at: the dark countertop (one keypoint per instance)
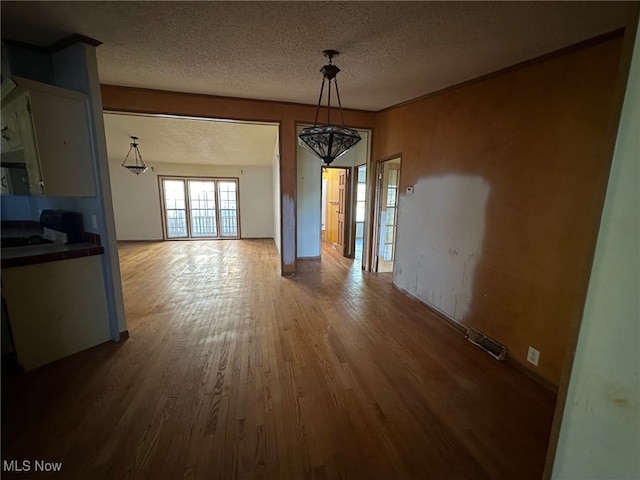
(46, 252)
(21, 232)
(33, 254)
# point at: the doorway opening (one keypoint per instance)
(386, 214)
(336, 217)
(199, 207)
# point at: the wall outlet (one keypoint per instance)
(94, 222)
(533, 356)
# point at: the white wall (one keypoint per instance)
(600, 432)
(136, 199)
(309, 192)
(439, 240)
(275, 170)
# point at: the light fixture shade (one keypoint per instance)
(137, 166)
(329, 141)
(137, 169)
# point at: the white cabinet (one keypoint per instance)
(47, 128)
(11, 132)
(55, 309)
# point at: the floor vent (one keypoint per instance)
(489, 345)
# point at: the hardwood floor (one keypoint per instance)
(233, 371)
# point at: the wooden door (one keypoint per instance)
(331, 224)
(343, 221)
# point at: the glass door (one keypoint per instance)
(200, 208)
(361, 196)
(228, 194)
(388, 185)
(175, 208)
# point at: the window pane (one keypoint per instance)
(391, 197)
(202, 200)
(176, 224)
(229, 222)
(203, 223)
(390, 218)
(388, 252)
(227, 192)
(362, 174)
(175, 208)
(388, 236)
(174, 194)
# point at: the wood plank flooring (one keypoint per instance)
(234, 372)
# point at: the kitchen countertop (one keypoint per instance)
(42, 253)
(17, 256)
(32, 254)
(21, 232)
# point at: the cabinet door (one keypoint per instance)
(70, 314)
(11, 135)
(19, 145)
(61, 127)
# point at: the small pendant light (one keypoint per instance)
(138, 167)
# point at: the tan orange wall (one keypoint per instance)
(521, 160)
(136, 100)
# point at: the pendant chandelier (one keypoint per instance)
(136, 165)
(328, 141)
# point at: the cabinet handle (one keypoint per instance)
(4, 134)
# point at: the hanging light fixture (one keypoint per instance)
(329, 141)
(138, 167)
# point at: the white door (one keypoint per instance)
(388, 189)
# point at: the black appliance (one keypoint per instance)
(65, 222)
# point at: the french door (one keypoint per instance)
(387, 218)
(199, 207)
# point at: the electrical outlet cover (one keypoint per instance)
(533, 356)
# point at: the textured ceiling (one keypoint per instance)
(194, 141)
(391, 51)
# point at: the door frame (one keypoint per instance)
(375, 244)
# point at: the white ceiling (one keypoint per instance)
(390, 52)
(192, 141)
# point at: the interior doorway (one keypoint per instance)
(387, 196)
(361, 207)
(336, 211)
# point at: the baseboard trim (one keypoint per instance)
(441, 315)
(462, 329)
(519, 366)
